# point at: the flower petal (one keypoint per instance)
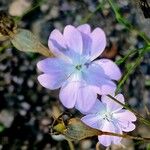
(57, 44)
(125, 115)
(85, 28)
(87, 42)
(112, 105)
(73, 39)
(86, 98)
(94, 75)
(51, 81)
(97, 108)
(68, 94)
(92, 120)
(79, 94)
(107, 88)
(98, 43)
(107, 140)
(54, 65)
(110, 68)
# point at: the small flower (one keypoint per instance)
(74, 71)
(107, 115)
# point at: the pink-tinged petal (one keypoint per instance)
(128, 128)
(110, 68)
(54, 65)
(112, 105)
(85, 28)
(125, 115)
(92, 120)
(57, 44)
(73, 39)
(51, 81)
(108, 140)
(98, 43)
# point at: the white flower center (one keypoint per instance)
(108, 116)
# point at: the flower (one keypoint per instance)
(73, 69)
(107, 115)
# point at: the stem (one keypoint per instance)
(131, 52)
(132, 68)
(142, 119)
(125, 22)
(126, 136)
(71, 146)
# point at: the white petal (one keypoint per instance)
(98, 43)
(73, 39)
(111, 104)
(110, 68)
(107, 140)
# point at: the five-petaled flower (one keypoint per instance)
(107, 115)
(73, 69)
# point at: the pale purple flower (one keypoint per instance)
(73, 69)
(107, 115)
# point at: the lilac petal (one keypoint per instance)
(112, 105)
(87, 42)
(85, 28)
(54, 65)
(92, 120)
(73, 39)
(125, 115)
(98, 43)
(51, 81)
(75, 93)
(68, 94)
(127, 126)
(97, 108)
(86, 98)
(94, 76)
(107, 88)
(110, 68)
(57, 44)
(108, 140)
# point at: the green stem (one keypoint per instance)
(141, 118)
(70, 145)
(126, 23)
(126, 136)
(131, 52)
(132, 67)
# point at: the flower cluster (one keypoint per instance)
(80, 78)
(107, 115)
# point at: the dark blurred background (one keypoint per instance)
(26, 107)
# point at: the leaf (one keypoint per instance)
(77, 130)
(26, 41)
